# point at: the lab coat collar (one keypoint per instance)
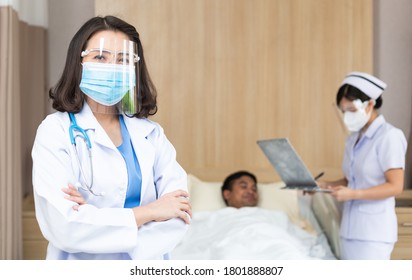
(374, 127)
(139, 127)
(86, 120)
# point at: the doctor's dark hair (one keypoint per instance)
(228, 182)
(66, 94)
(352, 93)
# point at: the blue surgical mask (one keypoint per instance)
(105, 83)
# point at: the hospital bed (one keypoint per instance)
(285, 225)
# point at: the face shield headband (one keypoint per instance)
(110, 77)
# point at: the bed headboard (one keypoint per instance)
(328, 214)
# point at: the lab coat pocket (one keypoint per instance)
(371, 208)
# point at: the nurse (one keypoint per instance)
(373, 167)
(106, 181)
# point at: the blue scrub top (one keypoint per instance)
(382, 147)
(133, 168)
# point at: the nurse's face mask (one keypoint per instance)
(357, 119)
(110, 68)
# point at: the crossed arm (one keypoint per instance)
(171, 205)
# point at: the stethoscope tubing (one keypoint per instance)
(74, 126)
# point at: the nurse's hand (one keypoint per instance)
(343, 193)
(171, 205)
(74, 195)
(321, 184)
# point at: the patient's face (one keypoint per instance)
(243, 193)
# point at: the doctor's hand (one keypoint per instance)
(171, 205)
(74, 195)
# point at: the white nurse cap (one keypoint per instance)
(368, 84)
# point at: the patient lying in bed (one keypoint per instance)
(244, 231)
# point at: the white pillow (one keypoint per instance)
(207, 196)
(204, 196)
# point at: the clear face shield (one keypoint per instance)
(110, 75)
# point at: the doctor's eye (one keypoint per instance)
(97, 55)
(123, 58)
(100, 58)
(103, 57)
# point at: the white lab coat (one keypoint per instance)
(103, 229)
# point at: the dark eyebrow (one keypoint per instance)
(243, 182)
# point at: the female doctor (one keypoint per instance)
(99, 149)
(373, 166)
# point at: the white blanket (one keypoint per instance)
(246, 233)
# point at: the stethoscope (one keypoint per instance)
(82, 134)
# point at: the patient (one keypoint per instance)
(244, 230)
(240, 190)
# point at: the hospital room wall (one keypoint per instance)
(392, 61)
(231, 72)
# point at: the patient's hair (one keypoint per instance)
(228, 182)
(352, 93)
